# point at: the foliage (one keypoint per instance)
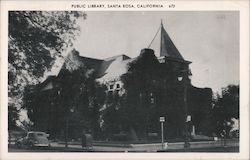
(12, 117)
(226, 107)
(112, 114)
(149, 86)
(74, 99)
(139, 83)
(80, 91)
(36, 39)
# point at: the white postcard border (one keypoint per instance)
(196, 5)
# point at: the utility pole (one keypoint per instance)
(162, 120)
(187, 117)
(184, 78)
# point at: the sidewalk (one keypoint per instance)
(150, 147)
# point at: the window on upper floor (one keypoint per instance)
(118, 86)
(111, 87)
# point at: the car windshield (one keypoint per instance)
(35, 134)
(31, 135)
(40, 134)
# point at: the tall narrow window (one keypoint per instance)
(118, 86)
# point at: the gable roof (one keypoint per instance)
(74, 60)
(106, 69)
(113, 68)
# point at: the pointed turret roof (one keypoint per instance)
(167, 47)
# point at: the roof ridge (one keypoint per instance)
(113, 57)
(90, 58)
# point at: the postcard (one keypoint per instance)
(124, 79)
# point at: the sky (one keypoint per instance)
(209, 39)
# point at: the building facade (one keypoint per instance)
(169, 94)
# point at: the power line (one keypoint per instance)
(154, 37)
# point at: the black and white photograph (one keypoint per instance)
(123, 81)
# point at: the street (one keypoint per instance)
(60, 149)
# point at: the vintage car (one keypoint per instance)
(34, 139)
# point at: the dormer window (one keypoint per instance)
(111, 87)
(118, 86)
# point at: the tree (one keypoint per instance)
(36, 40)
(226, 107)
(80, 91)
(139, 83)
(149, 86)
(74, 99)
(113, 115)
(151, 90)
(12, 117)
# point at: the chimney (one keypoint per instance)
(147, 51)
